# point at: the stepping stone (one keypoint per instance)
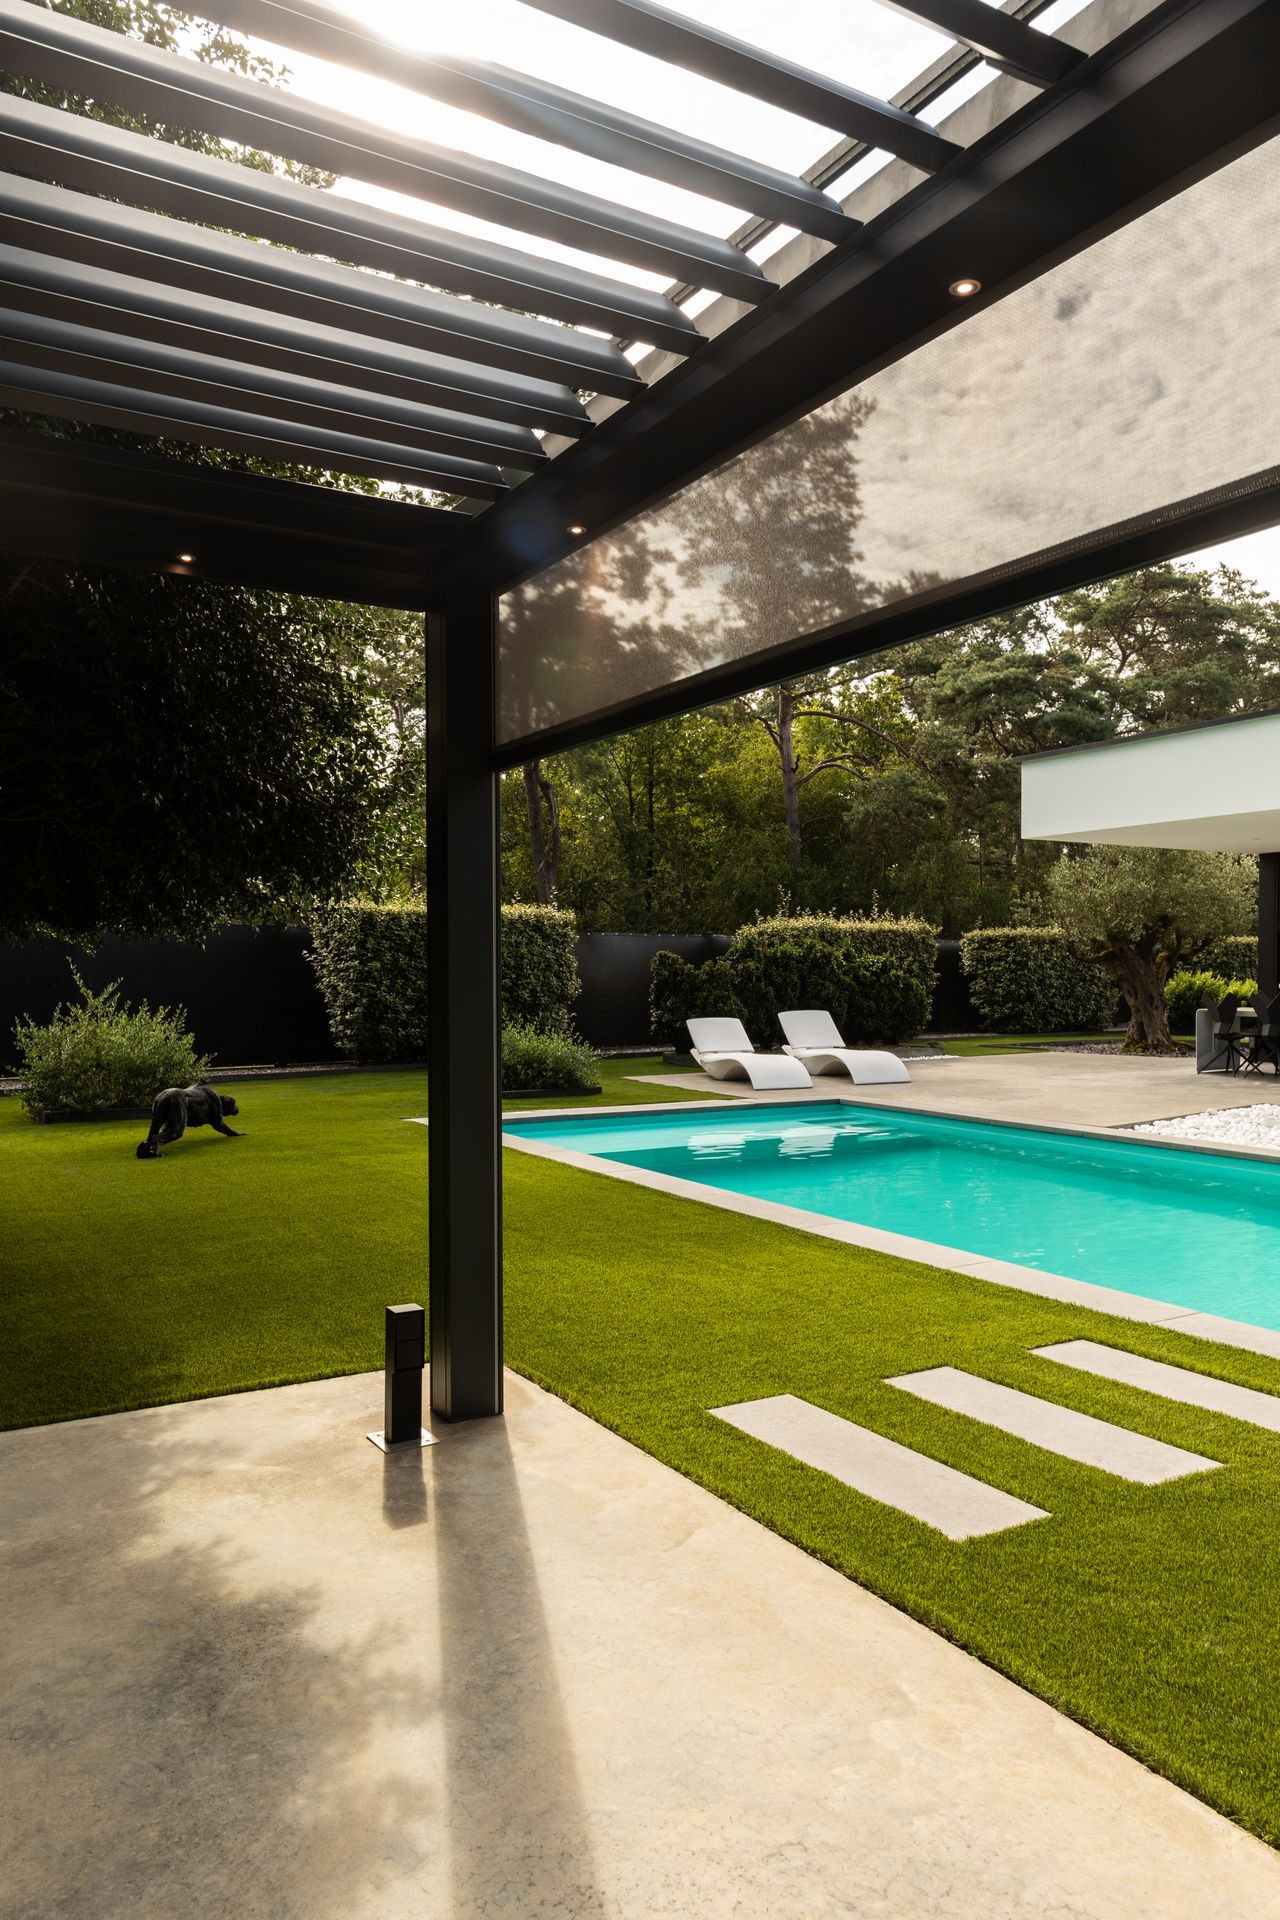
(955, 1504)
(1077, 1436)
(1171, 1383)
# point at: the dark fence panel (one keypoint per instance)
(613, 1007)
(250, 995)
(252, 999)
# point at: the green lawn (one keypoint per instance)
(1147, 1613)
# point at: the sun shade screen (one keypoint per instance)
(1139, 374)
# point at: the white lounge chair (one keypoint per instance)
(722, 1049)
(814, 1038)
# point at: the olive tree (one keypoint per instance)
(1144, 912)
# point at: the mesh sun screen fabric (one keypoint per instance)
(1133, 377)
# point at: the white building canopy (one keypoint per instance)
(1215, 786)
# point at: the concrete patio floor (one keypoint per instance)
(1047, 1087)
(253, 1668)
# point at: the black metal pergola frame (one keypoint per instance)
(371, 342)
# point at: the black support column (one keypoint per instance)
(1268, 924)
(464, 1104)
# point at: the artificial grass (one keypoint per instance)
(226, 1264)
(1147, 1613)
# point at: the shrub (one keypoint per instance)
(371, 966)
(370, 963)
(680, 991)
(875, 976)
(532, 1058)
(1185, 991)
(96, 1054)
(539, 971)
(1026, 980)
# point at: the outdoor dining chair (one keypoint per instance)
(1227, 1047)
(1264, 1041)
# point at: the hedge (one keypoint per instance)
(370, 963)
(1235, 958)
(1025, 980)
(876, 978)
(1185, 991)
(679, 990)
(539, 972)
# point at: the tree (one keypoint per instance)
(1145, 911)
(179, 754)
(383, 650)
(160, 26)
(542, 807)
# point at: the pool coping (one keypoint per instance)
(1005, 1273)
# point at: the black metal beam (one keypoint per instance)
(464, 1099)
(1269, 925)
(116, 303)
(947, 71)
(1194, 524)
(72, 500)
(1002, 40)
(687, 43)
(1168, 100)
(102, 65)
(69, 148)
(60, 346)
(539, 108)
(64, 396)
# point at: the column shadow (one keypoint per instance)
(519, 1833)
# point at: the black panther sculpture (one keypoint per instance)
(178, 1108)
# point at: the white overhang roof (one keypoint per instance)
(1215, 787)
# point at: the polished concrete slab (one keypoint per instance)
(942, 1497)
(1062, 1430)
(1171, 1383)
(252, 1669)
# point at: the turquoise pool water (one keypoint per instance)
(1197, 1229)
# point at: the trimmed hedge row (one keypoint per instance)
(1024, 980)
(370, 963)
(1185, 991)
(1235, 958)
(876, 977)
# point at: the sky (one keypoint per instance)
(862, 42)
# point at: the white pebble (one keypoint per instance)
(1230, 1126)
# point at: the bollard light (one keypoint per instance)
(406, 1350)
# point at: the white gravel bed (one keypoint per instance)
(1229, 1126)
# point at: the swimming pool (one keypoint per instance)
(1200, 1230)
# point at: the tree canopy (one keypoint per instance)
(178, 755)
(903, 787)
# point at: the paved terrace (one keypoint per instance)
(1045, 1087)
(259, 1669)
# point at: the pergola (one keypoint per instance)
(1034, 346)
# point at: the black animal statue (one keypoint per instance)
(178, 1108)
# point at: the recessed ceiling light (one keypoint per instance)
(186, 558)
(965, 289)
(575, 529)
